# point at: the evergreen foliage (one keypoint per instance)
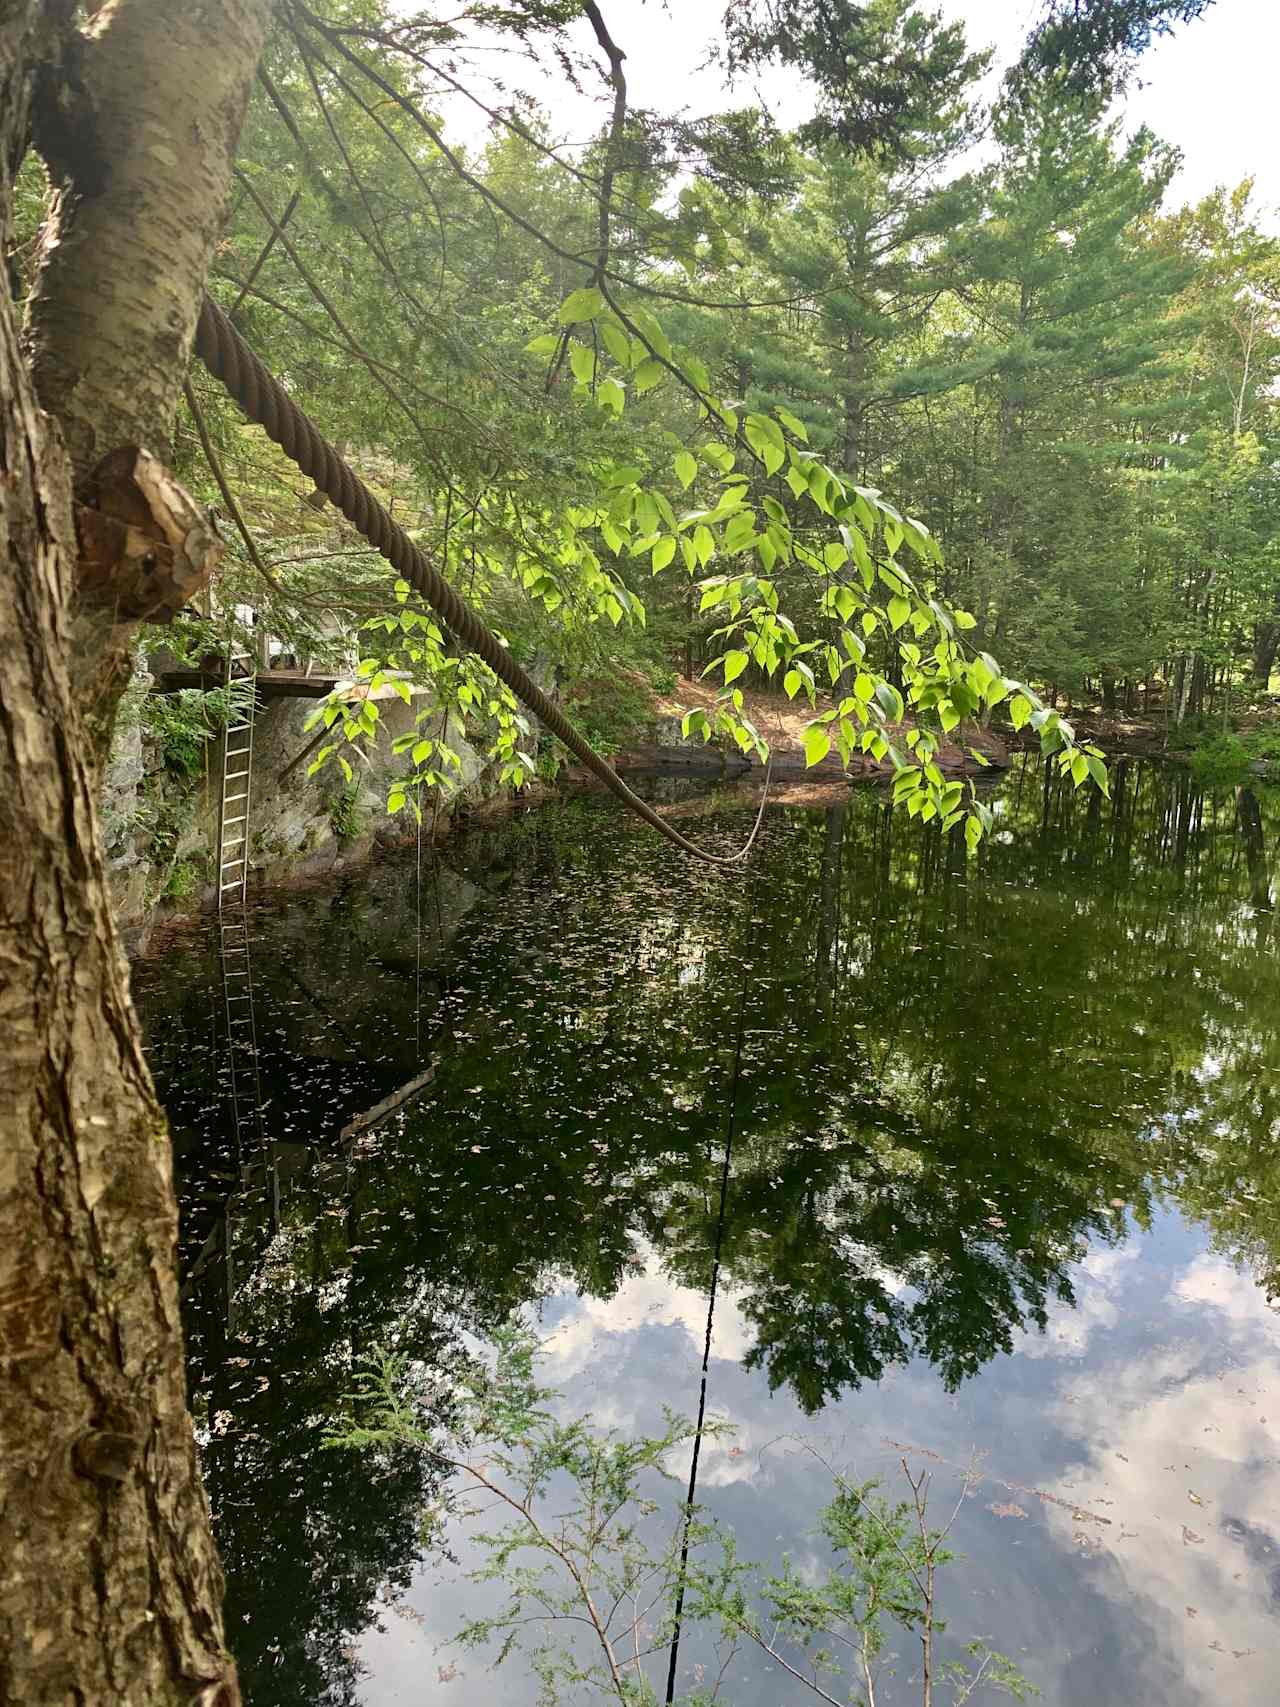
(638, 397)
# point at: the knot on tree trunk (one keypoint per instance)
(146, 546)
(106, 1455)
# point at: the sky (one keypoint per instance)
(1150, 1401)
(1209, 89)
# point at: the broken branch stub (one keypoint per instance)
(146, 546)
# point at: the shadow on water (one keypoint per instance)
(957, 1082)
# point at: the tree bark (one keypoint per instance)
(137, 117)
(1266, 643)
(110, 1588)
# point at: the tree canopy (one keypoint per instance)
(684, 390)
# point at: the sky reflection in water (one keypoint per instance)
(1005, 1185)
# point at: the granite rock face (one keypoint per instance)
(161, 825)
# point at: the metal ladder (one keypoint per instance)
(237, 761)
(233, 916)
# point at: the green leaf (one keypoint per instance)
(794, 425)
(583, 362)
(616, 342)
(663, 552)
(583, 304)
(1098, 771)
(817, 744)
(686, 467)
(791, 683)
(899, 611)
(766, 440)
(543, 345)
(652, 330)
(611, 396)
(890, 701)
(648, 374)
(740, 531)
(1079, 769)
(1019, 710)
(972, 832)
(616, 477)
(734, 664)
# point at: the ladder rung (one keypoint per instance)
(235, 883)
(238, 819)
(230, 799)
(238, 728)
(233, 776)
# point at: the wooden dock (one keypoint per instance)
(270, 684)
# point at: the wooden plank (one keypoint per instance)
(388, 1105)
(271, 684)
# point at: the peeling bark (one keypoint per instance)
(109, 1583)
(137, 117)
(140, 132)
(110, 1588)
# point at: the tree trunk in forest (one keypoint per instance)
(110, 1588)
(1266, 643)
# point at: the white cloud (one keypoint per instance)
(1213, 1281)
(645, 1299)
(1183, 1458)
(1097, 1281)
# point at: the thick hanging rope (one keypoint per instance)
(225, 353)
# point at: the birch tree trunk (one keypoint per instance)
(110, 1588)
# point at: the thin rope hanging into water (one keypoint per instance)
(730, 1134)
(417, 941)
(265, 401)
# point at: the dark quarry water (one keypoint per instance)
(1004, 1191)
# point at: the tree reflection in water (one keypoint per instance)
(956, 1077)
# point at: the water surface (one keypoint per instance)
(1003, 1190)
